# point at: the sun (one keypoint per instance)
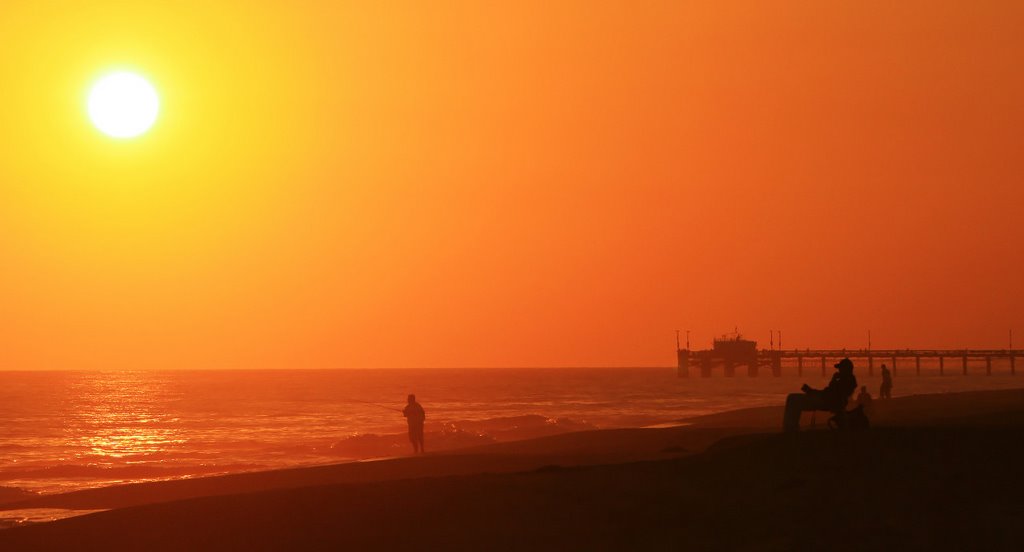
(123, 105)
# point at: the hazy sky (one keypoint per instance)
(508, 183)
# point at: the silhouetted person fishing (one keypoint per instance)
(832, 398)
(885, 391)
(415, 415)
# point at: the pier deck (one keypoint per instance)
(899, 360)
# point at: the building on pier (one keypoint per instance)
(732, 350)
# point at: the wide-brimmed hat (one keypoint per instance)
(845, 363)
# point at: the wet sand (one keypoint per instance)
(935, 472)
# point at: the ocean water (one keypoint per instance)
(67, 430)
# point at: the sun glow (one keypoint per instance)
(123, 105)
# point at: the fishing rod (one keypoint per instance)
(373, 404)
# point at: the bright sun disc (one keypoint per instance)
(123, 105)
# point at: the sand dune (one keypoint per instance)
(938, 472)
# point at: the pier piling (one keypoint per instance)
(728, 360)
(683, 363)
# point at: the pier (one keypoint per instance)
(730, 353)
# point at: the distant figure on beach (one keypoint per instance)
(864, 399)
(415, 415)
(832, 398)
(885, 392)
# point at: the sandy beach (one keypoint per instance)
(934, 472)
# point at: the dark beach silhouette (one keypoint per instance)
(885, 391)
(415, 415)
(865, 400)
(832, 398)
(668, 488)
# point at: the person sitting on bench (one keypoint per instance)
(831, 399)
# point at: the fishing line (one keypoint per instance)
(378, 405)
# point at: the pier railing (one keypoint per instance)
(706, 362)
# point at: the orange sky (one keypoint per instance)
(508, 184)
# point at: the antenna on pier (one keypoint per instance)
(677, 340)
(780, 340)
(869, 340)
(687, 340)
(771, 340)
(1011, 339)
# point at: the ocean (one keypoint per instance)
(68, 430)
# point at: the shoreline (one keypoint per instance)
(754, 419)
(270, 430)
(741, 438)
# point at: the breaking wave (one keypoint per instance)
(460, 434)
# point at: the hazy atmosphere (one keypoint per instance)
(526, 275)
(522, 184)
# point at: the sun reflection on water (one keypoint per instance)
(117, 417)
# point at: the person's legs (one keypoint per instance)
(794, 406)
(417, 440)
(796, 403)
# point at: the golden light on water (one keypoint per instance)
(131, 442)
(117, 418)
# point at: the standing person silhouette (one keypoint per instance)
(415, 415)
(864, 400)
(885, 392)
